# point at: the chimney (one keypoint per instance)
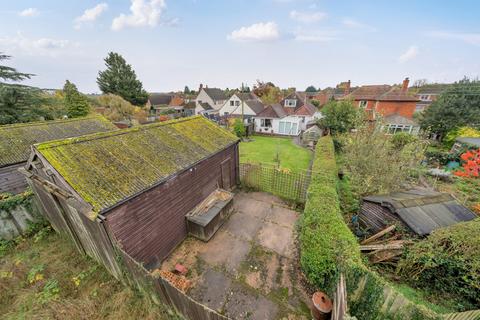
(347, 88)
(405, 84)
(201, 87)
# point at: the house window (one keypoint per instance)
(232, 103)
(290, 103)
(237, 103)
(286, 127)
(424, 97)
(395, 128)
(266, 123)
(363, 104)
(225, 113)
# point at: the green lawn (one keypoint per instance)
(264, 149)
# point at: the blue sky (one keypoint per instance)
(222, 43)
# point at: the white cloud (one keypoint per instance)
(354, 24)
(307, 17)
(142, 13)
(315, 35)
(29, 12)
(42, 46)
(467, 37)
(262, 31)
(91, 14)
(408, 55)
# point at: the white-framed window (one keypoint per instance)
(363, 104)
(266, 123)
(237, 103)
(290, 103)
(395, 128)
(286, 127)
(232, 103)
(424, 97)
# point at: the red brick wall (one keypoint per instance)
(386, 108)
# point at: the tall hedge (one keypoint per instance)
(328, 248)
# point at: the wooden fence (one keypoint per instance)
(162, 291)
(291, 185)
(339, 309)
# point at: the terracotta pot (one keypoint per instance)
(322, 306)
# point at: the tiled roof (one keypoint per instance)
(160, 98)
(256, 105)
(16, 139)
(273, 111)
(382, 92)
(434, 88)
(106, 168)
(176, 101)
(397, 94)
(215, 93)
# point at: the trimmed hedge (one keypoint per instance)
(328, 248)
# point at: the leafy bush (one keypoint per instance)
(401, 139)
(341, 116)
(239, 128)
(450, 138)
(448, 261)
(376, 165)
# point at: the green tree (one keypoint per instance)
(311, 89)
(341, 116)
(119, 78)
(186, 90)
(458, 106)
(77, 104)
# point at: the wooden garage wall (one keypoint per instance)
(90, 237)
(149, 226)
(12, 181)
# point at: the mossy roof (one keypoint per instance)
(106, 168)
(16, 139)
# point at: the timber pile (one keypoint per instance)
(383, 250)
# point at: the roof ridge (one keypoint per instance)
(38, 123)
(104, 135)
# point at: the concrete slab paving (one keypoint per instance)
(243, 226)
(277, 238)
(282, 216)
(226, 250)
(212, 290)
(246, 305)
(251, 207)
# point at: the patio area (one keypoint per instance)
(249, 269)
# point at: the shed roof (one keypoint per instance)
(16, 139)
(106, 168)
(423, 210)
(471, 141)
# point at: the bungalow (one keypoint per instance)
(245, 104)
(133, 188)
(16, 141)
(289, 117)
(209, 100)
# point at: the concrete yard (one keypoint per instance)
(249, 269)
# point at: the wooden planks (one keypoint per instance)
(12, 181)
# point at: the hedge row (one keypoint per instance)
(329, 248)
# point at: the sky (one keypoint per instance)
(224, 43)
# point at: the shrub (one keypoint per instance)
(448, 261)
(401, 139)
(341, 116)
(239, 128)
(450, 138)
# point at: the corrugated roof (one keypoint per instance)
(423, 210)
(16, 139)
(106, 168)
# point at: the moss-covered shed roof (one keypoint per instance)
(16, 139)
(106, 168)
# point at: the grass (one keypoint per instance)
(264, 149)
(420, 297)
(46, 278)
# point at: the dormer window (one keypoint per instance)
(424, 97)
(290, 103)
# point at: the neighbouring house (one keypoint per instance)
(132, 188)
(209, 100)
(245, 104)
(16, 141)
(156, 100)
(324, 96)
(395, 104)
(289, 117)
(427, 94)
(420, 210)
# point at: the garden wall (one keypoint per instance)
(329, 248)
(16, 214)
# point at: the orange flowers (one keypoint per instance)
(471, 164)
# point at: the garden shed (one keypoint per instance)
(17, 139)
(132, 188)
(420, 210)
